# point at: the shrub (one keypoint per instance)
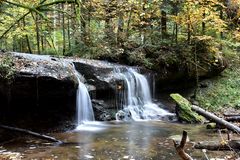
(7, 69)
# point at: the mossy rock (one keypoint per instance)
(211, 126)
(184, 111)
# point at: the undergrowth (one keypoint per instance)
(224, 90)
(7, 69)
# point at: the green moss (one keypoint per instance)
(211, 126)
(184, 110)
(223, 90)
(7, 69)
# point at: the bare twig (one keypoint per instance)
(180, 147)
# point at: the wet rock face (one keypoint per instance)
(42, 90)
(124, 115)
(102, 110)
(97, 73)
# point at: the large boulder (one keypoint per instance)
(184, 111)
(41, 88)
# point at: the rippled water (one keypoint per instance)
(116, 140)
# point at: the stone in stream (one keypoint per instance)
(184, 111)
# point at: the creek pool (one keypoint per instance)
(144, 140)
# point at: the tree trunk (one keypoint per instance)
(203, 23)
(36, 19)
(128, 22)
(54, 27)
(176, 11)
(176, 33)
(163, 24)
(221, 17)
(68, 33)
(188, 30)
(109, 6)
(63, 31)
(83, 22)
(120, 38)
(37, 34)
(28, 44)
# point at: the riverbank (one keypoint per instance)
(222, 92)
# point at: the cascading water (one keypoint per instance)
(138, 104)
(83, 103)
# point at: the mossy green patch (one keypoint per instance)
(7, 69)
(184, 110)
(223, 90)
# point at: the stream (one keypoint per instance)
(142, 140)
(137, 134)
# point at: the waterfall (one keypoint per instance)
(84, 105)
(83, 102)
(138, 104)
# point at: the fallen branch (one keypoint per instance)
(180, 147)
(212, 145)
(231, 114)
(34, 134)
(233, 118)
(216, 119)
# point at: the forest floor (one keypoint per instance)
(223, 91)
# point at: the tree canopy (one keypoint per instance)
(91, 27)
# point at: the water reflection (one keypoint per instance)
(85, 151)
(117, 140)
(132, 140)
(92, 126)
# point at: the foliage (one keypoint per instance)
(66, 24)
(116, 29)
(6, 68)
(223, 90)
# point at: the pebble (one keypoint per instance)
(89, 156)
(32, 147)
(125, 157)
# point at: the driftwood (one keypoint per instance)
(231, 114)
(212, 145)
(233, 118)
(34, 134)
(216, 119)
(180, 147)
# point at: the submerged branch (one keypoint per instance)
(180, 147)
(34, 134)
